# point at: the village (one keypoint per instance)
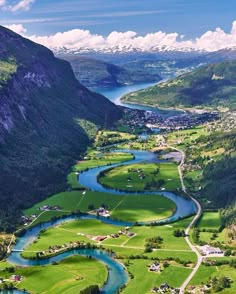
(155, 122)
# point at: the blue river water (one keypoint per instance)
(184, 206)
(115, 94)
(117, 276)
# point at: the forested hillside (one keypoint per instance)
(212, 86)
(43, 115)
(219, 176)
(97, 73)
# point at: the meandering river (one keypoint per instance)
(117, 276)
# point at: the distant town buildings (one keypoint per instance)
(153, 120)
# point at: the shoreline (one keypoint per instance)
(181, 109)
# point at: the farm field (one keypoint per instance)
(145, 176)
(80, 230)
(128, 208)
(85, 230)
(210, 220)
(69, 276)
(145, 280)
(143, 208)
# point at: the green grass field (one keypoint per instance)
(166, 232)
(80, 230)
(210, 220)
(144, 280)
(70, 276)
(129, 208)
(83, 230)
(143, 208)
(135, 177)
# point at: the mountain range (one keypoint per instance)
(97, 73)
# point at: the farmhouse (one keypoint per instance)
(208, 250)
(100, 238)
(155, 267)
(16, 278)
(102, 211)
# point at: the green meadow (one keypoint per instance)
(129, 208)
(143, 208)
(69, 276)
(144, 280)
(84, 230)
(210, 220)
(144, 176)
(79, 230)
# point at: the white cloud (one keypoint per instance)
(23, 5)
(126, 13)
(2, 3)
(77, 38)
(18, 28)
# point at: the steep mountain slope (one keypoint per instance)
(43, 111)
(219, 175)
(97, 73)
(212, 85)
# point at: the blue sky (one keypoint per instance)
(189, 17)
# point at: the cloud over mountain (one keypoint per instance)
(80, 39)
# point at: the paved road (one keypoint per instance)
(198, 214)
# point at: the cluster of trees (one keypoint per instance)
(4, 242)
(196, 235)
(154, 242)
(93, 289)
(219, 284)
(154, 184)
(6, 286)
(179, 233)
(231, 262)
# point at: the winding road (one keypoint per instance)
(196, 217)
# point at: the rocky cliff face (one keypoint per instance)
(41, 103)
(41, 86)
